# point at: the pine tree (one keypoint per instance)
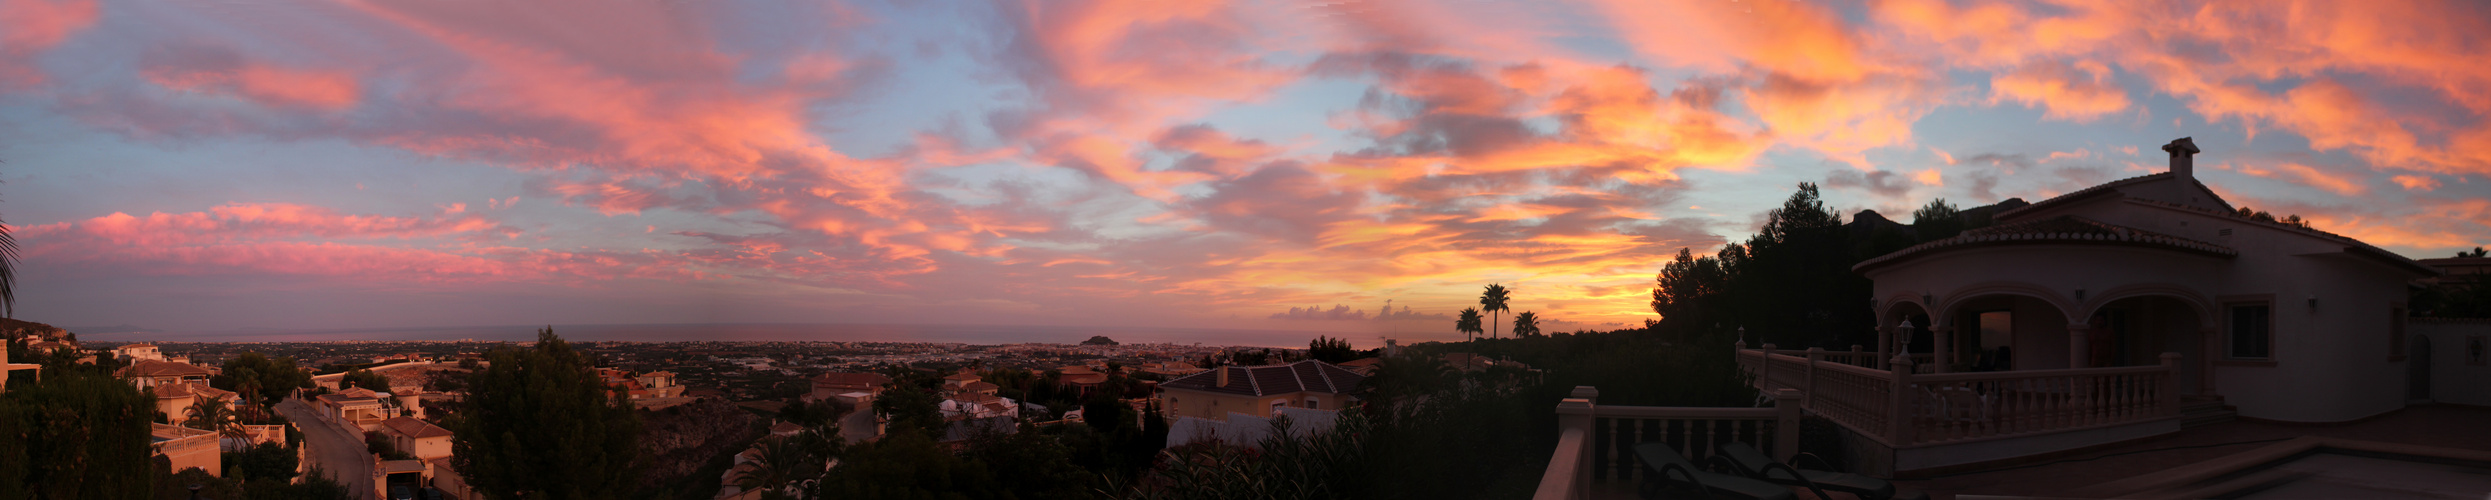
(77, 433)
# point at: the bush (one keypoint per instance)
(266, 461)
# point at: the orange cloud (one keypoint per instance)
(2416, 182)
(2057, 88)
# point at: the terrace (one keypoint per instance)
(1893, 417)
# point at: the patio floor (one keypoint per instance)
(2432, 425)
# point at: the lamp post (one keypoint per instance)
(1903, 340)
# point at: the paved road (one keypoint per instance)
(333, 449)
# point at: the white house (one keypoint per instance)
(2284, 321)
(2116, 312)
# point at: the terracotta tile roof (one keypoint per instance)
(187, 389)
(2063, 229)
(149, 368)
(414, 427)
(980, 386)
(2103, 188)
(1309, 376)
(964, 375)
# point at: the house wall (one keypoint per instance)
(2452, 380)
(198, 452)
(176, 410)
(1197, 404)
(424, 448)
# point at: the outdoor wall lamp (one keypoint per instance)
(1927, 299)
(2079, 294)
(2313, 302)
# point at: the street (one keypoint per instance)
(335, 450)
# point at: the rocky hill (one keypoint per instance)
(18, 330)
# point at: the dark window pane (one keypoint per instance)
(2249, 332)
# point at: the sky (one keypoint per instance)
(1347, 166)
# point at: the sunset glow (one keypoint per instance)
(204, 166)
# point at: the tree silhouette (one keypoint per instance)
(1493, 301)
(1469, 324)
(75, 432)
(365, 379)
(1526, 324)
(2477, 253)
(539, 423)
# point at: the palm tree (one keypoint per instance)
(212, 414)
(1494, 302)
(8, 273)
(781, 461)
(1468, 324)
(1526, 325)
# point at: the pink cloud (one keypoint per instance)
(30, 27)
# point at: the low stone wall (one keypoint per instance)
(2460, 358)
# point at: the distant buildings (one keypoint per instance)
(639, 386)
(134, 352)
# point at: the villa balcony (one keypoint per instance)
(1918, 421)
(1893, 418)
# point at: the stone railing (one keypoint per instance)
(1900, 407)
(1595, 443)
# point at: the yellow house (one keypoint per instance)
(175, 399)
(416, 437)
(1259, 390)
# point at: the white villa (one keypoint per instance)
(2115, 313)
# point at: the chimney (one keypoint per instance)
(2182, 164)
(1223, 376)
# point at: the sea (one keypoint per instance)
(773, 332)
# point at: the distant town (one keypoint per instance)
(733, 370)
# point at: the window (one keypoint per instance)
(2395, 334)
(1277, 404)
(2252, 332)
(1314, 404)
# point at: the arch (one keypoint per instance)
(2204, 307)
(1887, 309)
(1957, 298)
